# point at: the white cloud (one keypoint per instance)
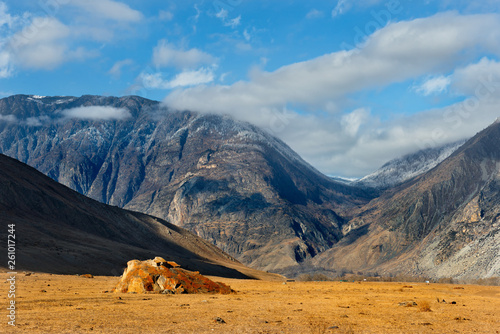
(233, 23)
(339, 8)
(390, 55)
(314, 14)
(5, 18)
(8, 118)
(353, 121)
(109, 9)
(223, 15)
(247, 35)
(116, 70)
(36, 121)
(43, 45)
(479, 78)
(167, 55)
(5, 65)
(435, 85)
(93, 32)
(400, 52)
(97, 113)
(183, 79)
(40, 45)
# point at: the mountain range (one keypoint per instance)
(250, 195)
(227, 181)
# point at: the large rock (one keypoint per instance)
(163, 276)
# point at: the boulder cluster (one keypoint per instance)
(161, 276)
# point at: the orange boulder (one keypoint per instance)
(161, 276)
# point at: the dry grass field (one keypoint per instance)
(74, 304)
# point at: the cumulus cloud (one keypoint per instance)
(40, 45)
(44, 44)
(167, 55)
(312, 94)
(108, 9)
(97, 113)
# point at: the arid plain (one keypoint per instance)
(74, 304)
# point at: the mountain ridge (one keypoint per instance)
(227, 181)
(435, 224)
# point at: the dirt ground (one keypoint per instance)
(73, 304)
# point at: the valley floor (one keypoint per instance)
(73, 304)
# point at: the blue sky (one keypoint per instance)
(347, 84)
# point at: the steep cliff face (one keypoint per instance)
(229, 182)
(442, 223)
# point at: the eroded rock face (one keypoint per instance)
(161, 276)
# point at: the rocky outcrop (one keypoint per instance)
(161, 276)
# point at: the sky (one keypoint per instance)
(347, 84)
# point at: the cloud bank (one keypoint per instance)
(305, 103)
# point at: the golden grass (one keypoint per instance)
(73, 304)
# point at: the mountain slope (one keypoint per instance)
(229, 182)
(61, 231)
(444, 223)
(402, 169)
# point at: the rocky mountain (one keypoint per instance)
(444, 223)
(227, 181)
(61, 231)
(404, 168)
